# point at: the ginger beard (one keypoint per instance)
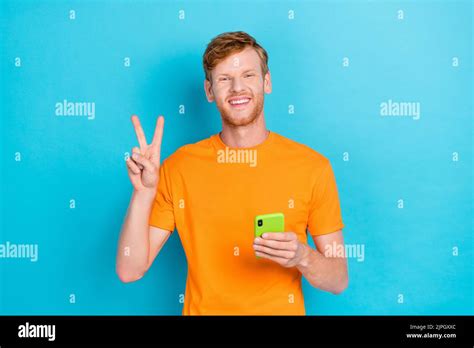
(243, 117)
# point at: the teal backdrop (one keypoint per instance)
(381, 88)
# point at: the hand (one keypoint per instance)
(143, 167)
(282, 247)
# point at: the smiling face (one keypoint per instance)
(238, 88)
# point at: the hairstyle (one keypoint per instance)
(226, 44)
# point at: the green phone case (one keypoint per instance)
(269, 223)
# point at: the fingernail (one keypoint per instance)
(134, 156)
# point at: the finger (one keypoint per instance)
(136, 150)
(279, 245)
(132, 166)
(283, 236)
(275, 252)
(277, 259)
(137, 164)
(140, 159)
(139, 132)
(158, 136)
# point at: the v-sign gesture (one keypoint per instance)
(143, 167)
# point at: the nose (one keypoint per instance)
(237, 85)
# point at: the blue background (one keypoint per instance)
(408, 251)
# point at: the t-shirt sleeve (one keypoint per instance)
(325, 210)
(162, 214)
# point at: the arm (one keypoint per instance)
(319, 268)
(323, 271)
(139, 243)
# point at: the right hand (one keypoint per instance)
(144, 170)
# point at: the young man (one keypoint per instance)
(212, 190)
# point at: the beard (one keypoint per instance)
(239, 118)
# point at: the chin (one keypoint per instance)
(239, 120)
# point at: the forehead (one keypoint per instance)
(246, 59)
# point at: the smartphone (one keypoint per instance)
(269, 223)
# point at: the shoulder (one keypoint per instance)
(307, 154)
(188, 152)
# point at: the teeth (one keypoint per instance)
(240, 101)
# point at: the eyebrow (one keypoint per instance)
(246, 71)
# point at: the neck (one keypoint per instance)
(244, 136)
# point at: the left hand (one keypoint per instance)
(282, 247)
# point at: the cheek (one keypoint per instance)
(222, 101)
(258, 88)
(219, 97)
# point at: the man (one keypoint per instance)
(212, 190)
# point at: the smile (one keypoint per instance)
(239, 103)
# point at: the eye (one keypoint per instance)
(248, 75)
(223, 79)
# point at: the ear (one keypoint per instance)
(267, 83)
(208, 90)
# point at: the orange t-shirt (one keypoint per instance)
(211, 193)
